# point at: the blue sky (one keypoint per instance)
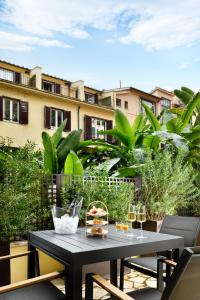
(143, 43)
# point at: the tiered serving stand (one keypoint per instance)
(97, 219)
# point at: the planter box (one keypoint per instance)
(152, 225)
(19, 265)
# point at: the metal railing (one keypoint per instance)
(6, 74)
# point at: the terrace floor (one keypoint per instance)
(133, 281)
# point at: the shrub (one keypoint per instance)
(167, 184)
(20, 191)
(116, 197)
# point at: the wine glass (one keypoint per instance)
(131, 218)
(141, 217)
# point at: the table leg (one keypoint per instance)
(73, 283)
(32, 262)
(113, 272)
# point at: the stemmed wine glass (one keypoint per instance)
(141, 217)
(131, 218)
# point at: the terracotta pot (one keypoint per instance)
(4, 265)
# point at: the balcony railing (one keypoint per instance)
(7, 75)
(14, 76)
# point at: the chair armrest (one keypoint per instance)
(114, 291)
(170, 262)
(6, 257)
(24, 283)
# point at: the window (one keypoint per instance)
(118, 102)
(11, 110)
(56, 117)
(90, 98)
(149, 104)
(48, 86)
(6, 74)
(98, 124)
(126, 104)
(165, 103)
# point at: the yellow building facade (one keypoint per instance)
(32, 102)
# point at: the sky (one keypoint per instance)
(143, 43)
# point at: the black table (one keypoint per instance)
(77, 250)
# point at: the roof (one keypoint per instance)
(28, 69)
(11, 64)
(89, 87)
(162, 90)
(135, 90)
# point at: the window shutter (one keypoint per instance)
(67, 115)
(47, 117)
(1, 108)
(109, 126)
(57, 88)
(87, 127)
(23, 112)
(96, 98)
(17, 77)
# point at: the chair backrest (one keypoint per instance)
(184, 284)
(187, 227)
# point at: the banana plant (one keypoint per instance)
(185, 95)
(73, 165)
(123, 132)
(57, 148)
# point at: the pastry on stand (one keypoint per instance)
(97, 219)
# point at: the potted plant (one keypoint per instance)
(167, 185)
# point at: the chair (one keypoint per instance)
(187, 227)
(37, 288)
(184, 284)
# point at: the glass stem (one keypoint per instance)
(141, 230)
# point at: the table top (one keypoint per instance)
(96, 249)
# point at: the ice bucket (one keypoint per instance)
(66, 219)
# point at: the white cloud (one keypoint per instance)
(153, 24)
(187, 64)
(16, 42)
(165, 25)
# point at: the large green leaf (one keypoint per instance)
(138, 124)
(50, 157)
(151, 142)
(57, 136)
(119, 135)
(69, 143)
(187, 90)
(122, 123)
(108, 164)
(128, 171)
(185, 118)
(183, 96)
(73, 165)
(173, 125)
(152, 118)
